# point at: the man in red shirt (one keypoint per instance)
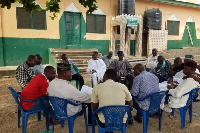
(37, 87)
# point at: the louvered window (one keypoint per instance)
(96, 23)
(173, 27)
(33, 20)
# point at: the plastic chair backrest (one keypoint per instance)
(60, 106)
(114, 115)
(192, 95)
(155, 100)
(16, 97)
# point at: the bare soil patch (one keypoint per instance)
(8, 115)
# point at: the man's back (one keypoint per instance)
(36, 88)
(61, 88)
(144, 84)
(110, 93)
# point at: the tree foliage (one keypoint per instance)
(51, 5)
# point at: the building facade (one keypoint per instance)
(22, 34)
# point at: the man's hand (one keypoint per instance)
(93, 71)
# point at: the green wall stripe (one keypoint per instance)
(1, 52)
(16, 50)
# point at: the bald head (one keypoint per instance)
(31, 61)
(160, 59)
(177, 62)
(110, 54)
(138, 69)
(50, 72)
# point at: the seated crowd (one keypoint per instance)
(115, 82)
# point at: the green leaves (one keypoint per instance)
(52, 5)
(6, 3)
(90, 4)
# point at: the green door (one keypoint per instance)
(72, 28)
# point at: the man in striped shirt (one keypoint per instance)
(144, 83)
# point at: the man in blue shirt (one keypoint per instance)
(75, 75)
(144, 83)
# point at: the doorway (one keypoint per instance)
(73, 26)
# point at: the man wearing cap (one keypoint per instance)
(75, 73)
(152, 61)
(108, 59)
(61, 87)
(190, 82)
(178, 77)
(123, 68)
(96, 68)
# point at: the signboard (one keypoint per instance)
(132, 22)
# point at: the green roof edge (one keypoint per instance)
(181, 3)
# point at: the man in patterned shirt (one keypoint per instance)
(162, 69)
(24, 72)
(144, 83)
(123, 68)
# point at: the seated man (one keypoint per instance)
(191, 81)
(152, 61)
(75, 76)
(108, 59)
(144, 83)
(162, 69)
(38, 68)
(37, 87)
(123, 68)
(176, 67)
(60, 87)
(178, 77)
(96, 68)
(110, 92)
(24, 72)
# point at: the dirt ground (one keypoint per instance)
(8, 117)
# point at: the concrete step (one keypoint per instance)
(53, 50)
(82, 69)
(76, 61)
(7, 71)
(73, 57)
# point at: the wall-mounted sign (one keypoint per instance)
(132, 22)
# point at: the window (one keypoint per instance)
(33, 20)
(96, 23)
(173, 27)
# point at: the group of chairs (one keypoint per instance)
(113, 114)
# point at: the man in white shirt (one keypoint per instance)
(96, 68)
(152, 61)
(190, 82)
(61, 87)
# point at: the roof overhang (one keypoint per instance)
(180, 3)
